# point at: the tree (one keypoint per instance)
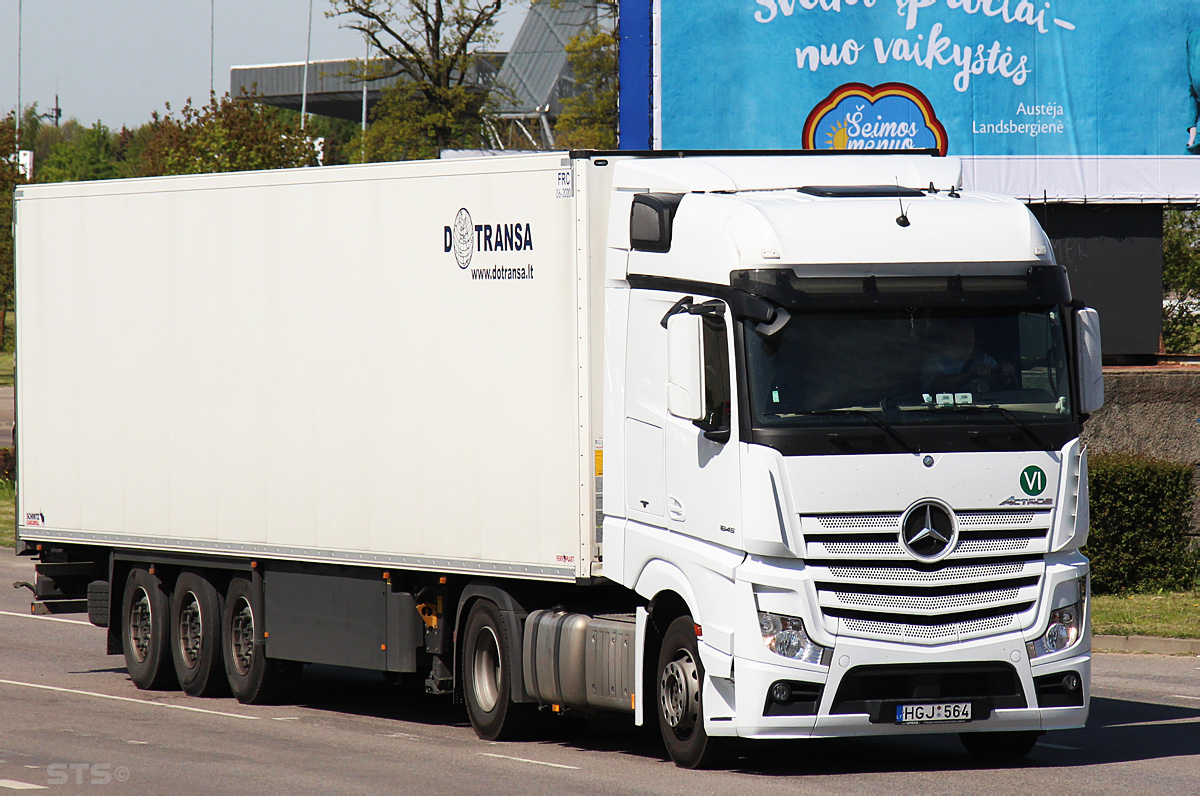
(227, 134)
(432, 45)
(10, 178)
(589, 118)
(1181, 280)
(84, 153)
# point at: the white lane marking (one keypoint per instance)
(1161, 723)
(47, 619)
(1058, 746)
(1184, 696)
(139, 743)
(12, 784)
(526, 760)
(285, 718)
(127, 699)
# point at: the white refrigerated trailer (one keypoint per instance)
(746, 445)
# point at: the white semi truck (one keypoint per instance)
(745, 445)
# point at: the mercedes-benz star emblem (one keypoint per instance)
(928, 531)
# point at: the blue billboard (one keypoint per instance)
(1020, 79)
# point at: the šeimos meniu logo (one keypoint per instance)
(465, 238)
(888, 116)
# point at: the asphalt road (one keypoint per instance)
(71, 721)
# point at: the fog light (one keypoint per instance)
(1063, 632)
(785, 636)
(1071, 682)
(781, 693)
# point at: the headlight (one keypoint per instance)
(785, 636)
(1065, 626)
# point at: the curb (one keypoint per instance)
(1150, 644)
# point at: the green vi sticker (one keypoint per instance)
(1033, 480)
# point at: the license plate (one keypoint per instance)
(944, 713)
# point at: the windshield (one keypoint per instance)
(910, 367)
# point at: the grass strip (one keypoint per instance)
(1166, 615)
(8, 513)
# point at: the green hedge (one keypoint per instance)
(1141, 510)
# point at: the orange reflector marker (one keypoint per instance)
(383, 646)
(151, 569)
(387, 576)
(253, 565)
(442, 580)
(556, 708)
(699, 630)
(633, 701)
(266, 634)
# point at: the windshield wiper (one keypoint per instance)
(863, 413)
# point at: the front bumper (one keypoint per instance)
(739, 706)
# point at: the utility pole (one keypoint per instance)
(19, 16)
(307, 58)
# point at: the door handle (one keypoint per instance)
(675, 509)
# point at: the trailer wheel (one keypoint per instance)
(680, 684)
(999, 745)
(487, 672)
(145, 624)
(252, 677)
(196, 636)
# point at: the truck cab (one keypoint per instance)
(842, 416)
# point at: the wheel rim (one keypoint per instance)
(241, 636)
(679, 693)
(190, 629)
(139, 625)
(486, 669)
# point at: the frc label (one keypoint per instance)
(563, 188)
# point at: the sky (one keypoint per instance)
(116, 61)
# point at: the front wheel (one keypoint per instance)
(680, 685)
(999, 745)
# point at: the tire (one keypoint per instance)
(145, 627)
(999, 745)
(679, 687)
(196, 636)
(253, 678)
(487, 671)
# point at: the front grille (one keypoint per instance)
(868, 586)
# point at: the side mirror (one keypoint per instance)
(1087, 360)
(685, 366)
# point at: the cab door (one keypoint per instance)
(703, 497)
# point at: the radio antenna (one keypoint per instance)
(902, 219)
